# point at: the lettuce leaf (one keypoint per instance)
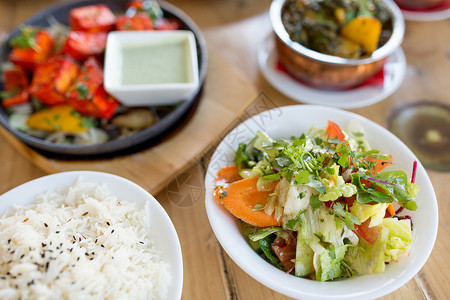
(399, 238)
(331, 263)
(366, 258)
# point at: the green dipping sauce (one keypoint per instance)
(158, 62)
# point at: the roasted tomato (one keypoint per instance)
(82, 91)
(30, 47)
(80, 45)
(92, 18)
(15, 87)
(51, 79)
(140, 21)
(370, 234)
(285, 251)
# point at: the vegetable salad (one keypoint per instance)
(321, 205)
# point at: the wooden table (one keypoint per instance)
(235, 29)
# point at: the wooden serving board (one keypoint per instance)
(226, 95)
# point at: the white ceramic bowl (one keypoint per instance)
(147, 92)
(162, 230)
(294, 120)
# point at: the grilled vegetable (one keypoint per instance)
(16, 86)
(57, 118)
(51, 79)
(92, 18)
(30, 47)
(140, 21)
(80, 45)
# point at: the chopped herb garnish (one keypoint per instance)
(82, 90)
(26, 39)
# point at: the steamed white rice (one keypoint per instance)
(82, 243)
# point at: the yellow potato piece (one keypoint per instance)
(363, 30)
(56, 118)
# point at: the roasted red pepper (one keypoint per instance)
(51, 79)
(30, 47)
(92, 18)
(80, 45)
(15, 86)
(140, 21)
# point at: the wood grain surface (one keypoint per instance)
(234, 29)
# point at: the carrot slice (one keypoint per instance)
(228, 174)
(241, 197)
(380, 164)
(334, 131)
(390, 210)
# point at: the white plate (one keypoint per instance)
(394, 73)
(294, 120)
(163, 231)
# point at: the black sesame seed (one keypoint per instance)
(57, 231)
(96, 241)
(84, 214)
(141, 242)
(107, 223)
(112, 231)
(91, 258)
(22, 256)
(74, 237)
(61, 244)
(78, 258)
(45, 224)
(50, 243)
(71, 249)
(103, 246)
(57, 248)
(3, 277)
(9, 241)
(79, 239)
(43, 254)
(61, 252)
(86, 253)
(43, 245)
(73, 282)
(46, 266)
